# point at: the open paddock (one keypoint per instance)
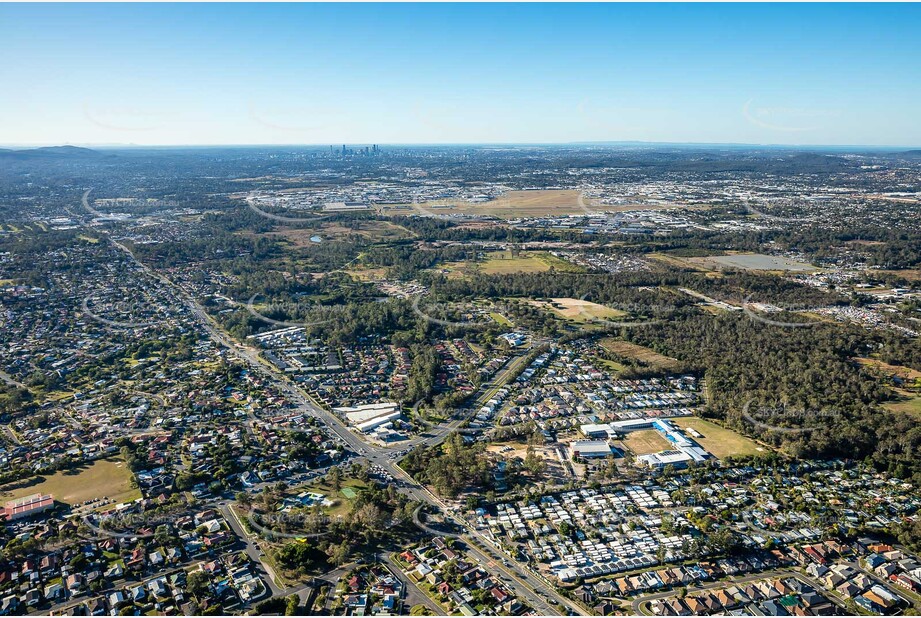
(509, 262)
(907, 403)
(642, 354)
(376, 231)
(578, 310)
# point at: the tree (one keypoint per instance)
(339, 554)
(163, 536)
(198, 583)
(335, 478)
(534, 463)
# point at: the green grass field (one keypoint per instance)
(576, 310)
(612, 365)
(909, 405)
(500, 319)
(646, 441)
(640, 353)
(504, 263)
(501, 263)
(105, 478)
(719, 441)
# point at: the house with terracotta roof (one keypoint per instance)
(27, 507)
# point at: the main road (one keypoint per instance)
(517, 575)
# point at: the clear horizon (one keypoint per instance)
(113, 146)
(796, 75)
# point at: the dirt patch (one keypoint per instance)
(556, 472)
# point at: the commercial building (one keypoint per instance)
(590, 449)
(370, 417)
(656, 461)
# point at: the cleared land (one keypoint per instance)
(578, 310)
(719, 441)
(908, 404)
(909, 400)
(367, 274)
(511, 205)
(753, 261)
(646, 441)
(105, 478)
(906, 373)
(376, 231)
(612, 365)
(555, 473)
(516, 204)
(910, 274)
(501, 264)
(638, 352)
(679, 262)
(500, 319)
(507, 262)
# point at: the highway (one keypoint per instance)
(516, 575)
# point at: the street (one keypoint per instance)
(518, 578)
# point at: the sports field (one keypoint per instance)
(719, 441)
(646, 441)
(104, 478)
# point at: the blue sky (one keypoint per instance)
(449, 73)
